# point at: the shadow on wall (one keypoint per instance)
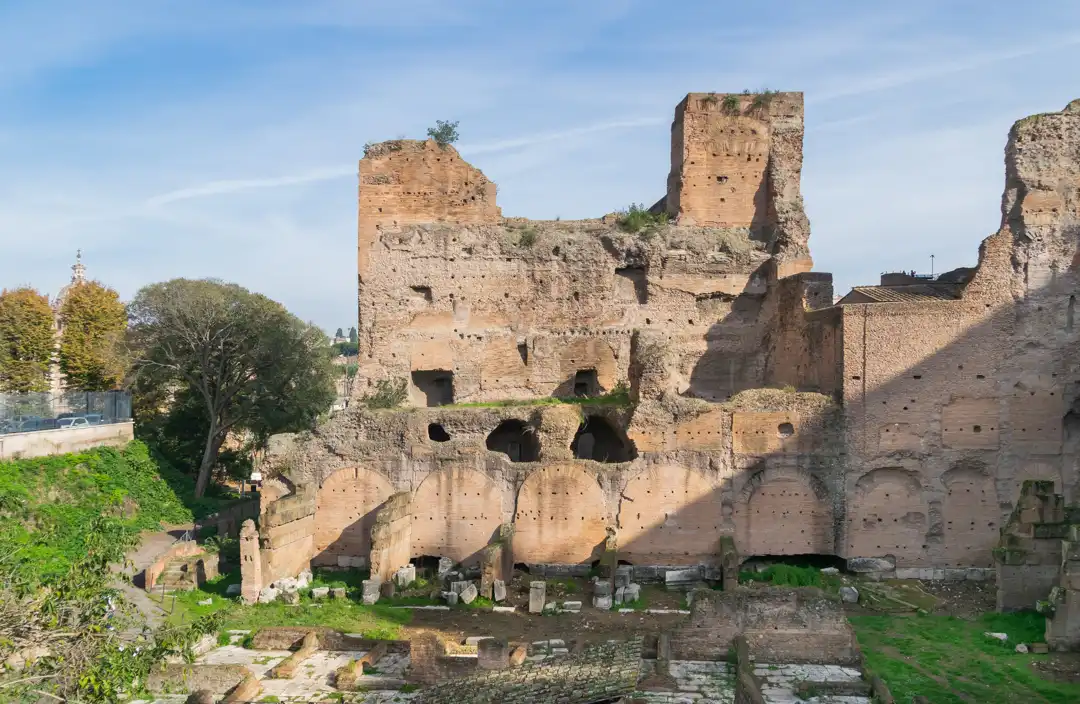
(516, 439)
(733, 359)
(598, 440)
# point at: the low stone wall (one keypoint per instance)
(290, 637)
(180, 677)
(63, 440)
(780, 625)
(185, 548)
(227, 522)
(430, 662)
(391, 536)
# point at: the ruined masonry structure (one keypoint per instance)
(732, 402)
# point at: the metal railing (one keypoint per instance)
(31, 412)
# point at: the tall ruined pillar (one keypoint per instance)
(250, 563)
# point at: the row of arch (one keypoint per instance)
(596, 439)
(669, 515)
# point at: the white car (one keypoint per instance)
(72, 423)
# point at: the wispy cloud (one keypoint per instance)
(183, 141)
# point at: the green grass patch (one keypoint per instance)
(950, 661)
(785, 576)
(48, 503)
(637, 219)
(335, 579)
(479, 602)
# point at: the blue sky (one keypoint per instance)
(220, 137)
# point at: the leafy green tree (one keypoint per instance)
(254, 365)
(353, 338)
(444, 132)
(92, 324)
(26, 340)
(339, 334)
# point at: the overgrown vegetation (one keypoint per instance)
(763, 100)
(948, 660)
(638, 220)
(731, 104)
(784, 575)
(66, 632)
(49, 505)
(527, 238)
(388, 393)
(444, 132)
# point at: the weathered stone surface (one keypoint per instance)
(370, 591)
(469, 593)
(499, 590)
(537, 594)
(320, 592)
(602, 602)
(870, 564)
(290, 597)
(405, 575)
(849, 594)
(451, 598)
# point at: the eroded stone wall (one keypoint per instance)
(905, 433)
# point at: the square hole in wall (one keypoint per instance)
(586, 383)
(437, 386)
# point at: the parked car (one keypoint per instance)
(77, 422)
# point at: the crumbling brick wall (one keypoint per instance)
(286, 531)
(391, 536)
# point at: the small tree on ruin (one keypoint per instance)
(444, 133)
(26, 340)
(93, 321)
(253, 365)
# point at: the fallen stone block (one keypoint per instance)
(247, 691)
(503, 609)
(320, 592)
(571, 606)
(633, 593)
(291, 597)
(499, 590)
(602, 588)
(997, 636)
(849, 595)
(459, 586)
(370, 591)
(863, 565)
(286, 669)
(337, 593)
(620, 595)
(451, 598)
(468, 594)
(387, 589)
(681, 578)
(830, 570)
(445, 566)
(602, 602)
(347, 675)
(205, 602)
(1021, 648)
(623, 575)
(268, 594)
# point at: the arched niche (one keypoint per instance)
(344, 513)
(971, 515)
(456, 511)
(669, 515)
(516, 439)
(887, 515)
(784, 512)
(597, 439)
(561, 516)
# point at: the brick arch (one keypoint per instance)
(456, 511)
(887, 516)
(669, 515)
(561, 516)
(344, 513)
(971, 515)
(784, 512)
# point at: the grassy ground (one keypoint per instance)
(949, 660)
(378, 621)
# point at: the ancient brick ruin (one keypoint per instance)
(730, 398)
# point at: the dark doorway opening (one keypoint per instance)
(516, 440)
(436, 385)
(585, 383)
(436, 432)
(597, 440)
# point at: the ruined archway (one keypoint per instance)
(516, 439)
(887, 516)
(669, 515)
(971, 515)
(784, 511)
(597, 439)
(456, 511)
(561, 516)
(344, 513)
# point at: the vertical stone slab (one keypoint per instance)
(537, 595)
(250, 563)
(391, 537)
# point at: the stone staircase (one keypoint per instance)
(188, 572)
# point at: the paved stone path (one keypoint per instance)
(598, 673)
(778, 682)
(695, 683)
